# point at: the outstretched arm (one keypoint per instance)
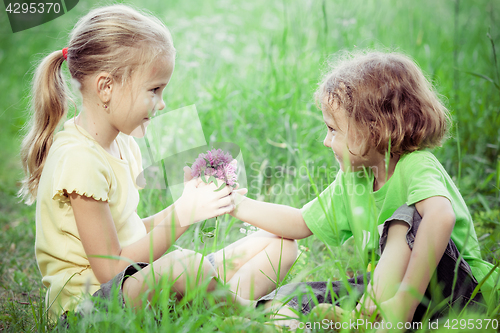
(98, 234)
(281, 220)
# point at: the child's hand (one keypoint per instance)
(238, 197)
(187, 174)
(395, 310)
(238, 194)
(200, 201)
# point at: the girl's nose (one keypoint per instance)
(160, 105)
(327, 141)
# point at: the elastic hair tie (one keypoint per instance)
(65, 53)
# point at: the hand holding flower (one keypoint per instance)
(202, 201)
(208, 187)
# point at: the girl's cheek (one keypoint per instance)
(354, 142)
(336, 144)
(156, 100)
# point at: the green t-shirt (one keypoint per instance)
(349, 207)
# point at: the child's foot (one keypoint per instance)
(243, 325)
(338, 315)
(330, 312)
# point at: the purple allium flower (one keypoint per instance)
(216, 163)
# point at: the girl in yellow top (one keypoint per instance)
(84, 177)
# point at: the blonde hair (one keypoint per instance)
(388, 102)
(114, 39)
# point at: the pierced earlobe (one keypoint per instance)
(104, 86)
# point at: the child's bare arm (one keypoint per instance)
(99, 238)
(391, 268)
(434, 232)
(98, 235)
(281, 220)
(151, 222)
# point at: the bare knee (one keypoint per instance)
(182, 269)
(187, 269)
(196, 269)
(287, 250)
(292, 248)
(203, 271)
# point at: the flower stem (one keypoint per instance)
(216, 233)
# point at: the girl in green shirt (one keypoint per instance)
(381, 113)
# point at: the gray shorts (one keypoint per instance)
(456, 282)
(106, 292)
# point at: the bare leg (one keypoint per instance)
(252, 261)
(181, 266)
(246, 262)
(391, 267)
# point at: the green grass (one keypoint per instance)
(250, 67)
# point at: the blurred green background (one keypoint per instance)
(251, 68)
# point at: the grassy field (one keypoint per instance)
(251, 67)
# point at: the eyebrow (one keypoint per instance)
(154, 84)
(157, 82)
(333, 127)
(326, 123)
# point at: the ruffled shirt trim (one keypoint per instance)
(62, 195)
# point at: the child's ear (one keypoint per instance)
(104, 86)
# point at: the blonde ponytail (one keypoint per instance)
(115, 39)
(48, 106)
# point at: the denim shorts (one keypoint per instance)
(106, 290)
(453, 275)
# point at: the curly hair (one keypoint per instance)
(388, 102)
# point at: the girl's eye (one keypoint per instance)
(155, 90)
(331, 129)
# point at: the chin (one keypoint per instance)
(341, 164)
(140, 131)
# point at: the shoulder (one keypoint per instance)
(67, 146)
(74, 150)
(419, 157)
(425, 177)
(75, 164)
(420, 161)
